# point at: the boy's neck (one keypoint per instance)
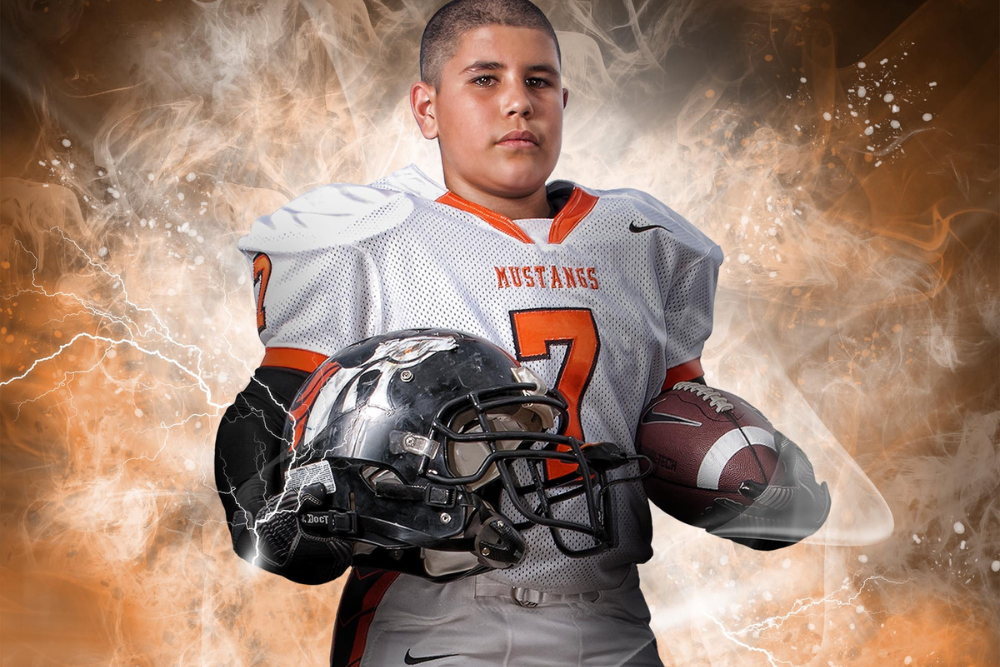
(535, 205)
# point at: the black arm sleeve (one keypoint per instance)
(247, 449)
(249, 439)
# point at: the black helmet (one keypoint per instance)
(414, 433)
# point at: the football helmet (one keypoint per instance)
(415, 434)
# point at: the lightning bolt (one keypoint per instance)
(845, 596)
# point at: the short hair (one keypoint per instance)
(445, 29)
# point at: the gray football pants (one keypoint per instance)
(388, 619)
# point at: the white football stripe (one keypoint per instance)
(724, 448)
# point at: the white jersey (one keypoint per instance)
(600, 301)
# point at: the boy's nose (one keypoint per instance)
(518, 103)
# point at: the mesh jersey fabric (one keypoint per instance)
(629, 291)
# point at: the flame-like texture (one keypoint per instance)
(845, 156)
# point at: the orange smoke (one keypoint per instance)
(858, 305)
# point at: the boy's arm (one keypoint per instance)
(781, 514)
(250, 436)
(262, 520)
(316, 291)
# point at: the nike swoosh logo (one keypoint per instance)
(413, 660)
(655, 417)
(632, 227)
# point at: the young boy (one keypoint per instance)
(607, 295)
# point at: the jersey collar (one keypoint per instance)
(579, 204)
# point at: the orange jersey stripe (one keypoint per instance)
(368, 608)
(289, 357)
(689, 370)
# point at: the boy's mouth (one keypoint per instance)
(518, 138)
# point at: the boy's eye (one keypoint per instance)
(484, 80)
(535, 82)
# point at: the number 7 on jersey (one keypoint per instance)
(261, 274)
(535, 331)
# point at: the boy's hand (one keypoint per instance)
(281, 545)
(782, 513)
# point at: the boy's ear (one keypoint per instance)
(422, 102)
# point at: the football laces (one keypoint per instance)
(711, 396)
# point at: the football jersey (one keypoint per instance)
(608, 302)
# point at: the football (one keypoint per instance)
(702, 444)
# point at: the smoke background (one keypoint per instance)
(858, 304)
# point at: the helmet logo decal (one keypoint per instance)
(389, 359)
(342, 391)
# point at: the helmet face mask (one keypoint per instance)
(419, 428)
(464, 458)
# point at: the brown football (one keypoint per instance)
(702, 444)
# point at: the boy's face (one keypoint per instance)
(502, 80)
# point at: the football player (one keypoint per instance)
(606, 295)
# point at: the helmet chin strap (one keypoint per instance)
(497, 544)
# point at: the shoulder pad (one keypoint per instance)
(335, 214)
(343, 213)
(412, 181)
(661, 215)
